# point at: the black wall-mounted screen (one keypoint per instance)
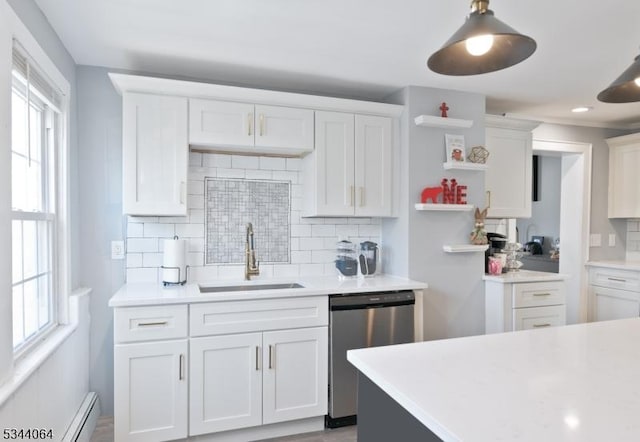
(534, 178)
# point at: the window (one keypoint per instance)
(35, 136)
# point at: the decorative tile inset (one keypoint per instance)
(231, 204)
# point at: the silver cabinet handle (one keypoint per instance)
(271, 364)
(617, 279)
(361, 196)
(542, 294)
(261, 124)
(249, 122)
(152, 324)
(488, 192)
(181, 370)
(541, 325)
(183, 189)
(352, 193)
(257, 358)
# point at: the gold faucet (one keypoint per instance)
(251, 266)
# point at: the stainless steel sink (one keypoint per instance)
(240, 288)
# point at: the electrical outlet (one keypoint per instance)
(117, 249)
(595, 240)
(612, 240)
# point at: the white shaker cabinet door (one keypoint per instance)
(221, 123)
(155, 155)
(280, 128)
(373, 166)
(295, 374)
(624, 179)
(508, 177)
(150, 391)
(225, 383)
(611, 304)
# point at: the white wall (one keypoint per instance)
(52, 395)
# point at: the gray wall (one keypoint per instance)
(101, 219)
(545, 213)
(33, 18)
(454, 305)
(600, 223)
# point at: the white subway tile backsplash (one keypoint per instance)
(633, 236)
(142, 275)
(633, 225)
(216, 160)
(152, 259)
(135, 230)
(141, 245)
(190, 230)
(270, 163)
(244, 162)
(323, 230)
(312, 240)
(157, 230)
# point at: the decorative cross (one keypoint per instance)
(444, 108)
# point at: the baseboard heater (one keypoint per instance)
(84, 422)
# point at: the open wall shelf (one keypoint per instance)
(464, 166)
(431, 121)
(445, 207)
(465, 248)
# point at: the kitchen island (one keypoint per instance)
(571, 383)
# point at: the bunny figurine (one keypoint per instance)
(479, 236)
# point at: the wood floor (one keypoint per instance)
(104, 433)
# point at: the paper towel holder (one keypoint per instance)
(180, 281)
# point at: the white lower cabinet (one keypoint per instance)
(513, 306)
(150, 391)
(613, 294)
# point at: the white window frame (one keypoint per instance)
(60, 253)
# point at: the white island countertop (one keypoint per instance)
(139, 294)
(571, 383)
(620, 265)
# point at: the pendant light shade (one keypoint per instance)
(626, 88)
(483, 44)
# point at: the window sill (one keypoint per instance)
(33, 360)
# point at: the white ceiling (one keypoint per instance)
(362, 48)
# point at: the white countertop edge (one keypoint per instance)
(622, 265)
(525, 276)
(416, 411)
(144, 294)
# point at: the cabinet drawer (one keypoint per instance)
(149, 323)
(615, 279)
(217, 318)
(539, 317)
(538, 294)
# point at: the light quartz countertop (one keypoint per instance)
(138, 294)
(571, 383)
(622, 265)
(525, 276)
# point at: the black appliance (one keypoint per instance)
(497, 242)
(534, 246)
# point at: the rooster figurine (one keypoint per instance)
(479, 236)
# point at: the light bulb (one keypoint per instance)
(637, 80)
(479, 45)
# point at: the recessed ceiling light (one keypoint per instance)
(582, 109)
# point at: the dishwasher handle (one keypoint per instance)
(371, 300)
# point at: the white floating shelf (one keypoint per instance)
(465, 248)
(445, 207)
(463, 165)
(431, 121)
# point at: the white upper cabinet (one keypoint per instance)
(241, 127)
(508, 175)
(624, 179)
(155, 155)
(350, 171)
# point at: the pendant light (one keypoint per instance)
(626, 88)
(483, 44)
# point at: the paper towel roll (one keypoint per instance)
(174, 258)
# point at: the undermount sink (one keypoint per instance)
(241, 288)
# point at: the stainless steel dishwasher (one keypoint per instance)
(359, 321)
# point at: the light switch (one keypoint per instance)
(117, 249)
(612, 240)
(595, 240)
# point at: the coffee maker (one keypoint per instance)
(497, 242)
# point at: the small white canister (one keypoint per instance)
(174, 261)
